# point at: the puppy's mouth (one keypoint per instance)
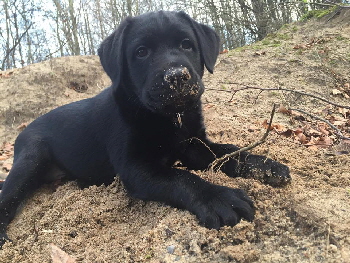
(177, 92)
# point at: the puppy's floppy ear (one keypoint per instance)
(208, 40)
(111, 52)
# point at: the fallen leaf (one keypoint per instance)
(302, 138)
(59, 256)
(324, 141)
(301, 47)
(22, 126)
(322, 128)
(259, 54)
(282, 109)
(8, 146)
(274, 126)
(297, 131)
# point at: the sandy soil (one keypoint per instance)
(307, 221)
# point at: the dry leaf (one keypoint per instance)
(282, 109)
(297, 131)
(323, 128)
(302, 138)
(59, 256)
(8, 146)
(314, 132)
(22, 126)
(259, 54)
(266, 125)
(322, 142)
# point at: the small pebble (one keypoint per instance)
(2, 176)
(171, 249)
(333, 248)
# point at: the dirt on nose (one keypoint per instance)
(175, 75)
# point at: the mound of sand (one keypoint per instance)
(307, 221)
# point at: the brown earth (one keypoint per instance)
(307, 221)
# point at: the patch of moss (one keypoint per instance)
(240, 49)
(341, 38)
(285, 26)
(317, 13)
(294, 29)
(272, 94)
(270, 42)
(290, 27)
(299, 51)
(278, 36)
(334, 62)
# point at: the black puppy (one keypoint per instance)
(149, 118)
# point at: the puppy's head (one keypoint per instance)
(159, 58)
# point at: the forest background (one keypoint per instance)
(36, 30)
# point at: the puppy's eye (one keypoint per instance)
(186, 44)
(141, 52)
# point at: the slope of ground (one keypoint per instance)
(307, 221)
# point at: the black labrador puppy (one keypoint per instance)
(139, 127)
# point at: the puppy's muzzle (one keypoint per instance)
(175, 91)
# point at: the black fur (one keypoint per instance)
(149, 118)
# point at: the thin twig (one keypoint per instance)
(17, 42)
(203, 143)
(218, 162)
(234, 91)
(315, 3)
(339, 133)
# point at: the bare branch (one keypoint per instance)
(15, 45)
(234, 91)
(330, 4)
(218, 162)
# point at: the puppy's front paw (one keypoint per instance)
(222, 206)
(269, 171)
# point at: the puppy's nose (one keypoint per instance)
(177, 75)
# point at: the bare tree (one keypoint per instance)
(78, 27)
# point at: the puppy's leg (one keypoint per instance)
(199, 154)
(25, 177)
(214, 205)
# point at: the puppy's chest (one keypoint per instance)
(167, 141)
(171, 146)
